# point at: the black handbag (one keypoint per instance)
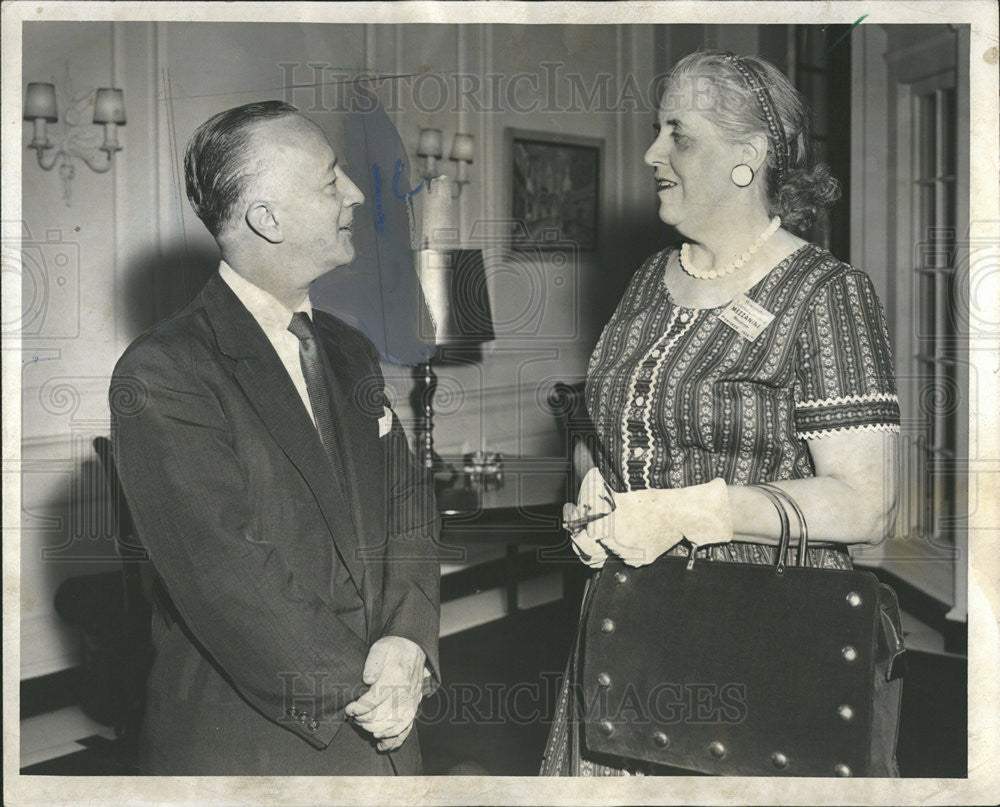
(741, 669)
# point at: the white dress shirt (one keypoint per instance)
(274, 319)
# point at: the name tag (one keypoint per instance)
(746, 317)
(385, 422)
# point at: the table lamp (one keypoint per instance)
(457, 297)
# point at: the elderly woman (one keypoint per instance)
(745, 356)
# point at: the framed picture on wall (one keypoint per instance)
(554, 189)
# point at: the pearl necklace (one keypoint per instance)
(685, 255)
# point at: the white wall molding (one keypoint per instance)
(138, 209)
(33, 445)
(119, 194)
(621, 171)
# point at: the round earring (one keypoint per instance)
(741, 175)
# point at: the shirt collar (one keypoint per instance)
(263, 305)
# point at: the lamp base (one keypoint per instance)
(442, 472)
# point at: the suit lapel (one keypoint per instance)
(263, 378)
(345, 425)
(350, 377)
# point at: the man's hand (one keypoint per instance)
(395, 672)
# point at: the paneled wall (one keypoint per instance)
(71, 317)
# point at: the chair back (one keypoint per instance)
(135, 560)
(566, 402)
(137, 577)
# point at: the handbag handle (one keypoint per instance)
(780, 498)
(786, 497)
(783, 516)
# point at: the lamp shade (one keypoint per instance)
(109, 106)
(40, 102)
(472, 315)
(458, 300)
(430, 143)
(461, 148)
(435, 273)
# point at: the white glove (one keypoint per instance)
(595, 498)
(646, 523)
(394, 669)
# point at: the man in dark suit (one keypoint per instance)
(296, 606)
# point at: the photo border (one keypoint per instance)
(983, 784)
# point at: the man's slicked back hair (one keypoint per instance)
(219, 163)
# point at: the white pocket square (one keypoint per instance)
(385, 423)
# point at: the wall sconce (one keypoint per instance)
(77, 140)
(429, 148)
(461, 153)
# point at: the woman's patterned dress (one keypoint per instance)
(678, 398)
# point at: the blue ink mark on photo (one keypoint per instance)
(379, 211)
(395, 183)
(377, 188)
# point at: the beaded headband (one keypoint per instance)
(774, 124)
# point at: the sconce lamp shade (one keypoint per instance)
(462, 148)
(40, 102)
(430, 143)
(109, 106)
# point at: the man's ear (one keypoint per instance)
(754, 152)
(261, 219)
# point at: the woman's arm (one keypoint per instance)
(843, 380)
(852, 498)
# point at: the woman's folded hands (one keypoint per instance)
(640, 525)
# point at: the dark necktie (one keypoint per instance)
(317, 384)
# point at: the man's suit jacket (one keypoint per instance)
(279, 567)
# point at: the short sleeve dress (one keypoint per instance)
(679, 398)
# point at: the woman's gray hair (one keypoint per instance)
(724, 96)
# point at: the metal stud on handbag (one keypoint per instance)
(742, 669)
